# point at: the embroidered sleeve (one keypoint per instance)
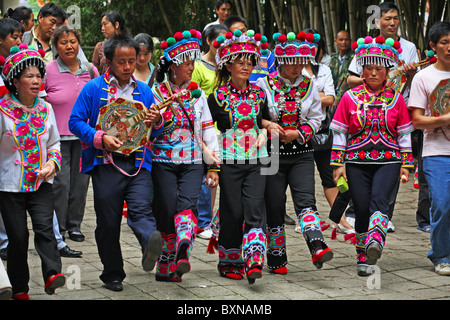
(306, 132)
(55, 156)
(404, 143)
(98, 139)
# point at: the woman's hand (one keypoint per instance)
(48, 171)
(275, 130)
(338, 172)
(261, 140)
(289, 135)
(212, 179)
(209, 156)
(404, 175)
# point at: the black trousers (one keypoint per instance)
(14, 208)
(111, 188)
(241, 200)
(371, 187)
(177, 188)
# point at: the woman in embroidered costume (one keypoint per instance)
(372, 129)
(238, 106)
(295, 115)
(178, 167)
(29, 159)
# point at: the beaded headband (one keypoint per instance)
(377, 51)
(296, 49)
(237, 44)
(183, 46)
(20, 58)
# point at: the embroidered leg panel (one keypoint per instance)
(230, 262)
(361, 256)
(377, 231)
(165, 266)
(311, 229)
(276, 247)
(254, 248)
(186, 228)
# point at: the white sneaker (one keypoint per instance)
(205, 234)
(390, 227)
(351, 221)
(443, 269)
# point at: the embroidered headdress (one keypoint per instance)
(21, 57)
(296, 49)
(183, 46)
(233, 45)
(377, 51)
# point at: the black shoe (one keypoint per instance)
(4, 253)
(115, 285)
(288, 220)
(69, 253)
(76, 236)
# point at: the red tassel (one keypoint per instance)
(334, 234)
(351, 237)
(213, 243)
(324, 226)
(125, 210)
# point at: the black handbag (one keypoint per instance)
(323, 139)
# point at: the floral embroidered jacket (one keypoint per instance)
(238, 114)
(29, 138)
(177, 142)
(293, 106)
(372, 127)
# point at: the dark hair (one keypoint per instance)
(54, 10)
(321, 48)
(388, 6)
(145, 40)
(9, 26)
(233, 19)
(118, 41)
(219, 3)
(438, 30)
(114, 17)
(162, 69)
(62, 30)
(211, 33)
(20, 13)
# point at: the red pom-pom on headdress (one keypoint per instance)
(41, 52)
(2, 60)
(301, 36)
(310, 37)
(282, 38)
(258, 37)
(229, 35)
(354, 45)
(379, 40)
(164, 45)
(178, 36)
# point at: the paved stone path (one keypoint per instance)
(405, 271)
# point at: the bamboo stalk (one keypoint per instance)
(277, 17)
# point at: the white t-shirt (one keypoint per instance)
(422, 86)
(323, 81)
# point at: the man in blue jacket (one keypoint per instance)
(117, 177)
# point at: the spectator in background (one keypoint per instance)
(63, 82)
(223, 10)
(50, 17)
(267, 62)
(340, 62)
(112, 24)
(22, 14)
(144, 68)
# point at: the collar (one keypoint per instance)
(62, 67)
(111, 80)
(39, 44)
(234, 89)
(288, 82)
(372, 93)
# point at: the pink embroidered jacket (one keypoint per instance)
(372, 127)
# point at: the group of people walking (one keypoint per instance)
(231, 137)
